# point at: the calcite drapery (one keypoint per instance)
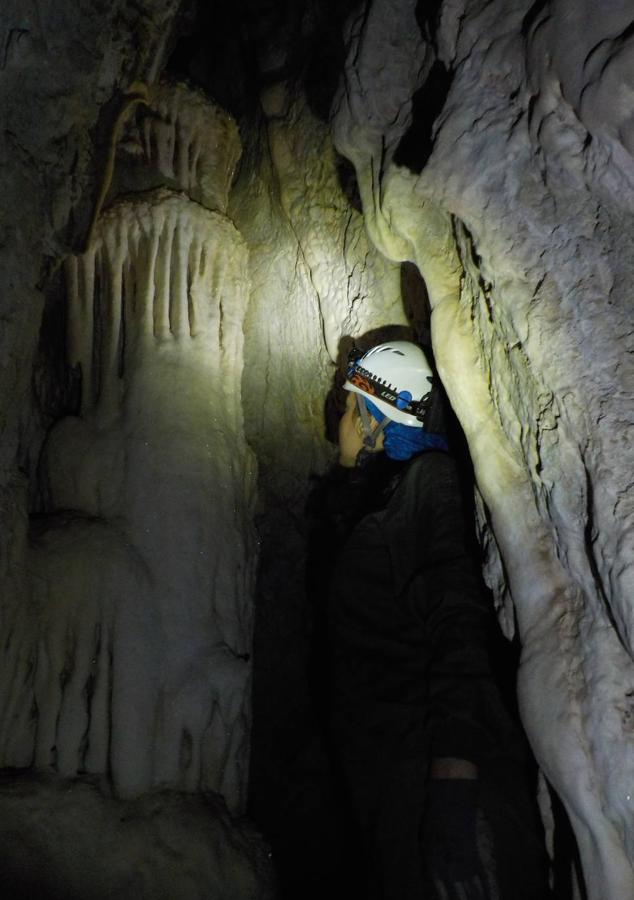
(526, 198)
(513, 221)
(189, 142)
(132, 658)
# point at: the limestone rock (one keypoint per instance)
(70, 839)
(493, 147)
(183, 140)
(515, 220)
(140, 627)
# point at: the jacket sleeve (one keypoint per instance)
(438, 572)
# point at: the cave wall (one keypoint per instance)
(127, 542)
(130, 654)
(182, 331)
(316, 280)
(509, 189)
(492, 144)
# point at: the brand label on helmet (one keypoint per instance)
(362, 382)
(370, 384)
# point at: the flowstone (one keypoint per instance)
(130, 662)
(511, 207)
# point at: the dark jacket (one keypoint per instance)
(408, 618)
(409, 621)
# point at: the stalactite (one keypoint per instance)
(192, 142)
(132, 658)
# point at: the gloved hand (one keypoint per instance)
(449, 839)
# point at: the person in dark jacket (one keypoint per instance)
(408, 623)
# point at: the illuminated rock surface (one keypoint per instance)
(127, 636)
(493, 149)
(516, 221)
(181, 139)
(142, 582)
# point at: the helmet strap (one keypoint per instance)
(371, 434)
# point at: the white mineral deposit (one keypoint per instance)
(193, 229)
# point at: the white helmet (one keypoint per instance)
(396, 377)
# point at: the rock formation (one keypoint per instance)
(133, 652)
(205, 302)
(127, 652)
(511, 204)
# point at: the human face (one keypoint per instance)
(351, 432)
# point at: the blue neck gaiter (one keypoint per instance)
(401, 442)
